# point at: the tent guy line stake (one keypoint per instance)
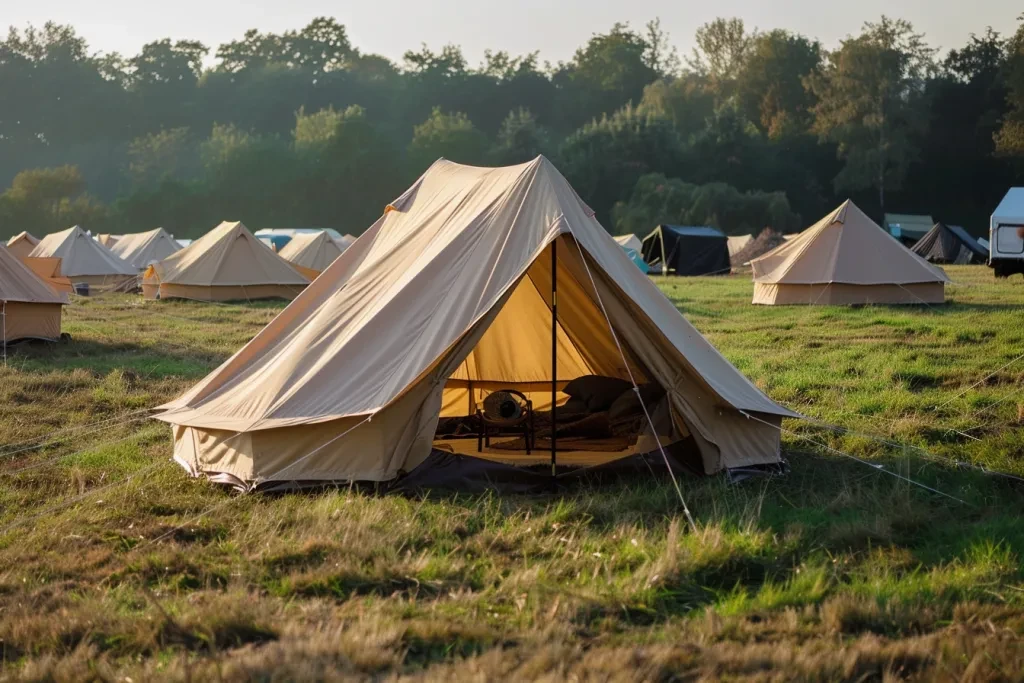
(980, 381)
(896, 444)
(60, 435)
(650, 422)
(877, 467)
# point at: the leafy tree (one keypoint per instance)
(167, 154)
(685, 101)
(315, 131)
(721, 50)
(225, 142)
(610, 71)
(451, 136)
(871, 104)
(521, 138)
(770, 82)
(657, 199)
(50, 199)
(604, 159)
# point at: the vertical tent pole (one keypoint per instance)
(554, 357)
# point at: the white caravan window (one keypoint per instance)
(1010, 239)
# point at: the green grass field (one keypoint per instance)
(115, 566)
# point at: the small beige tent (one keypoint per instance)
(311, 252)
(446, 299)
(845, 259)
(738, 243)
(225, 264)
(84, 260)
(108, 240)
(29, 309)
(143, 248)
(22, 244)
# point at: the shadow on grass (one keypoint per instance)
(101, 357)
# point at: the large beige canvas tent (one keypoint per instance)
(84, 260)
(311, 252)
(845, 259)
(29, 308)
(22, 244)
(143, 248)
(225, 264)
(447, 298)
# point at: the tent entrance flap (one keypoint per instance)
(549, 332)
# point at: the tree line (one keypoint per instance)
(753, 129)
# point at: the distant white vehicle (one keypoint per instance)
(1006, 235)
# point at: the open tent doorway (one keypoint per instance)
(554, 322)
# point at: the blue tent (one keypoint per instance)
(632, 245)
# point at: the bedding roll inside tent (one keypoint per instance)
(225, 264)
(140, 249)
(845, 259)
(84, 260)
(29, 308)
(446, 301)
(311, 252)
(22, 244)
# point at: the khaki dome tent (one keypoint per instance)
(84, 260)
(225, 264)
(143, 248)
(22, 244)
(445, 299)
(29, 308)
(311, 252)
(845, 259)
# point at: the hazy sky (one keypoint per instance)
(555, 27)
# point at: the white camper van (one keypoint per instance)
(1006, 235)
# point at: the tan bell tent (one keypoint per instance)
(143, 248)
(29, 309)
(225, 264)
(845, 259)
(84, 260)
(48, 270)
(444, 300)
(108, 240)
(22, 244)
(311, 252)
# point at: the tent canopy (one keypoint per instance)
(142, 248)
(228, 255)
(22, 244)
(687, 250)
(447, 293)
(82, 256)
(845, 250)
(949, 244)
(312, 251)
(29, 308)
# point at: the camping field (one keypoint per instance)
(116, 566)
